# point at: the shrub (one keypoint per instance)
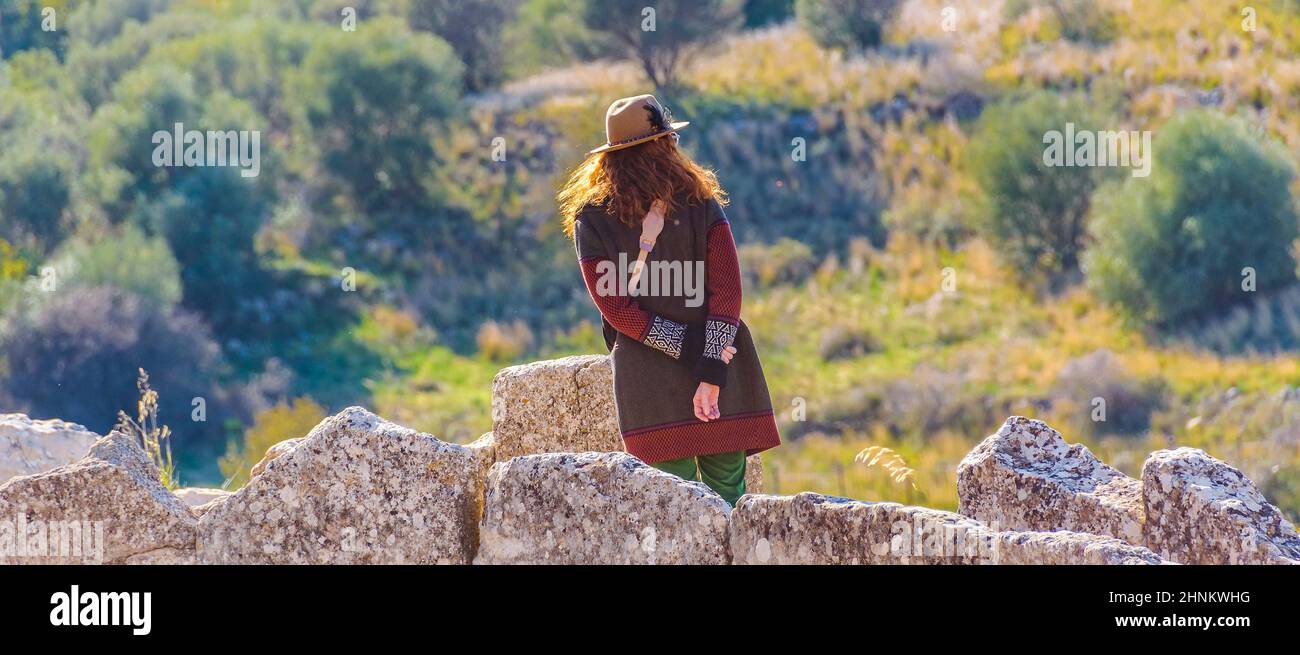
(100, 21)
(924, 403)
(931, 400)
(773, 195)
(1035, 214)
(20, 28)
(13, 266)
(124, 258)
(221, 273)
(1085, 20)
(372, 102)
(1179, 244)
(78, 356)
(846, 24)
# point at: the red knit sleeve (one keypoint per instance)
(618, 309)
(722, 284)
(722, 274)
(622, 312)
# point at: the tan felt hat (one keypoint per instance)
(638, 119)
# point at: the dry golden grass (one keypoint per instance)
(889, 460)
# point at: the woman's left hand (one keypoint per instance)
(706, 402)
(728, 353)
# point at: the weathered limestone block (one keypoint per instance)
(811, 528)
(565, 406)
(598, 508)
(273, 452)
(358, 489)
(30, 446)
(1066, 548)
(1200, 510)
(108, 507)
(561, 405)
(1025, 477)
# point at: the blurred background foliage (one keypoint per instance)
(914, 278)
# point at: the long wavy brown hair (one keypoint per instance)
(626, 182)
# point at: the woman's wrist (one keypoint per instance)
(713, 371)
(692, 344)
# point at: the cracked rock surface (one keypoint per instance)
(811, 528)
(1064, 547)
(598, 508)
(1025, 477)
(358, 489)
(1200, 510)
(114, 488)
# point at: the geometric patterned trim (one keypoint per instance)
(666, 336)
(717, 335)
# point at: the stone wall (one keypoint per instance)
(598, 508)
(359, 489)
(811, 528)
(1189, 507)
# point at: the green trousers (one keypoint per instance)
(723, 473)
